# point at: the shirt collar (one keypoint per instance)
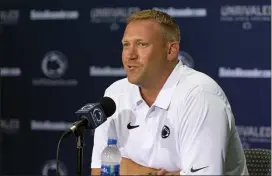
(165, 95)
(136, 96)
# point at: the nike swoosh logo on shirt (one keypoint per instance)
(131, 127)
(195, 170)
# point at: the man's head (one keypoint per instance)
(150, 47)
(168, 25)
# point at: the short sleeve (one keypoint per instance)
(204, 135)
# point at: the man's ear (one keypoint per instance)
(173, 50)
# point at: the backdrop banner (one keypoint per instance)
(57, 56)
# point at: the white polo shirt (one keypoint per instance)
(190, 127)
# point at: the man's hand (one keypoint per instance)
(95, 171)
(129, 167)
(164, 172)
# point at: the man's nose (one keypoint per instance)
(132, 53)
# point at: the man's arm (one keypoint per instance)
(95, 171)
(129, 167)
(204, 136)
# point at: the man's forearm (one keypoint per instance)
(129, 167)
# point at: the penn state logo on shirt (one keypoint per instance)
(165, 131)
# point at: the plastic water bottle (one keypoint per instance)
(110, 159)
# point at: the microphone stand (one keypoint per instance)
(80, 144)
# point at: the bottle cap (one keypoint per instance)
(112, 141)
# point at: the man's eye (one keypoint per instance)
(142, 44)
(125, 44)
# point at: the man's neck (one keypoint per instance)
(150, 93)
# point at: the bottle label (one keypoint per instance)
(110, 170)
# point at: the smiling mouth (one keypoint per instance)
(132, 67)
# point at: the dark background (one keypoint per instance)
(33, 117)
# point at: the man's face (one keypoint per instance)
(144, 51)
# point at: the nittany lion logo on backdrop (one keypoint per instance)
(50, 167)
(54, 64)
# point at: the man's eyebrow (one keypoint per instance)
(137, 40)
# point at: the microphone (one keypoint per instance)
(93, 115)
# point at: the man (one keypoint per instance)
(169, 117)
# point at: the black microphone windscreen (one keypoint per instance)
(108, 106)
